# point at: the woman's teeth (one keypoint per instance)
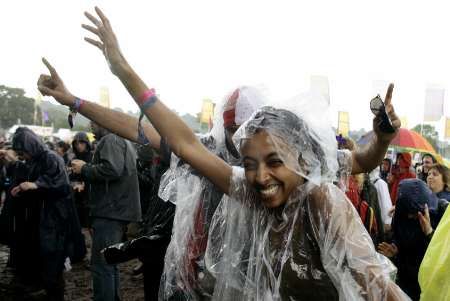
(269, 191)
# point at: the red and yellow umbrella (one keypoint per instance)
(412, 140)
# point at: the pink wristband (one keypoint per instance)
(145, 96)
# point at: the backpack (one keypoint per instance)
(366, 204)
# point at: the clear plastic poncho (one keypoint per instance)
(196, 198)
(314, 247)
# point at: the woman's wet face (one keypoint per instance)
(267, 172)
(435, 180)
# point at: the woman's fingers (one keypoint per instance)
(97, 44)
(92, 29)
(50, 68)
(15, 190)
(427, 212)
(386, 249)
(102, 16)
(43, 78)
(383, 246)
(422, 220)
(93, 19)
(45, 91)
(388, 98)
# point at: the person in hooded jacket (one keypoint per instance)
(18, 225)
(81, 147)
(47, 191)
(114, 203)
(402, 170)
(416, 215)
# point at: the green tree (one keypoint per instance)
(14, 105)
(429, 133)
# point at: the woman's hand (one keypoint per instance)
(108, 43)
(425, 222)
(23, 187)
(388, 250)
(52, 85)
(77, 165)
(8, 155)
(78, 187)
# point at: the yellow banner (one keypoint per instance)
(404, 121)
(207, 113)
(104, 97)
(343, 123)
(447, 127)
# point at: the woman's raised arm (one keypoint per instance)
(179, 136)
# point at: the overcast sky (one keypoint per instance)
(191, 50)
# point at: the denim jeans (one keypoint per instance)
(105, 276)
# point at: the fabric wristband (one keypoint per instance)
(149, 103)
(147, 99)
(145, 96)
(77, 105)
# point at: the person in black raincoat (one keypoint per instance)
(82, 150)
(16, 223)
(410, 241)
(47, 192)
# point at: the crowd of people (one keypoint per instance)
(270, 205)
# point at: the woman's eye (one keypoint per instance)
(275, 163)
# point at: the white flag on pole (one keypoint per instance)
(321, 85)
(434, 104)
